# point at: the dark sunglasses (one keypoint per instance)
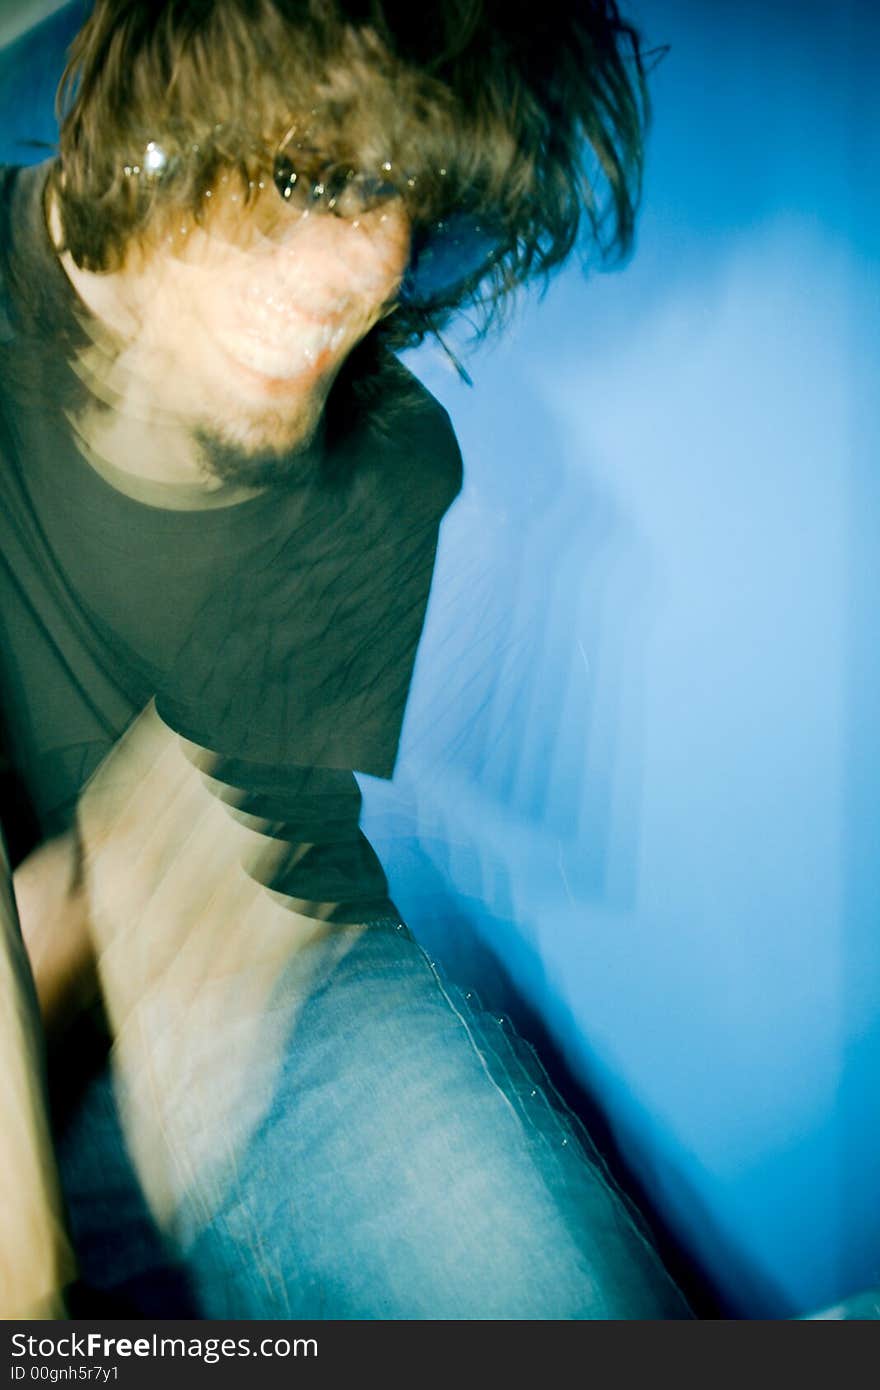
(447, 255)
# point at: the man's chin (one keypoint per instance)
(260, 458)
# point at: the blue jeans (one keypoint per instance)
(409, 1160)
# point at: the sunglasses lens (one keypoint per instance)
(446, 256)
(285, 177)
(307, 183)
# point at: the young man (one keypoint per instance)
(221, 502)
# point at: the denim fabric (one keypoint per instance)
(408, 1159)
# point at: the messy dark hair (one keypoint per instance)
(532, 116)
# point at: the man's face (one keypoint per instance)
(243, 325)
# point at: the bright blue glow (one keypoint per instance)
(642, 753)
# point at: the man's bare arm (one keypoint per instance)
(157, 896)
(53, 914)
(191, 951)
(36, 1260)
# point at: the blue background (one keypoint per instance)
(637, 797)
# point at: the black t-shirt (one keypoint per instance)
(279, 633)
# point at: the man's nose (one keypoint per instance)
(366, 257)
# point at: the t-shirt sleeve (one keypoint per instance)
(297, 673)
(307, 657)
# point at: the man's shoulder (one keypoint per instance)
(8, 182)
(21, 188)
(17, 181)
(8, 175)
(417, 452)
